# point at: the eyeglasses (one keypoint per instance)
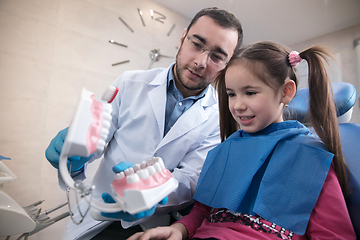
(197, 46)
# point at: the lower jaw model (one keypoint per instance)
(140, 188)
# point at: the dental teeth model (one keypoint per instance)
(87, 132)
(93, 132)
(140, 188)
(136, 189)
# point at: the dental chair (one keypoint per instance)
(345, 98)
(15, 220)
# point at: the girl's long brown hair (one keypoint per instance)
(269, 61)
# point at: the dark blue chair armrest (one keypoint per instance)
(350, 140)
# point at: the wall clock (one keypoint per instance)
(151, 34)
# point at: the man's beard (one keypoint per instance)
(179, 77)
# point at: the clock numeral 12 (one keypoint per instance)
(160, 18)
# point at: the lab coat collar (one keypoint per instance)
(208, 100)
(192, 118)
(159, 79)
(157, 97)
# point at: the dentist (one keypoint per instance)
(169, 112)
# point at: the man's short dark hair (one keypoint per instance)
(223, 18)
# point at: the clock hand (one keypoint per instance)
(164, 56)
(140, 14)
(127, 25)
(114, 64)
(172, 28)
(155, 55)
(151, 63)
(120, 44)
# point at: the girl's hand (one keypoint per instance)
(176, 231)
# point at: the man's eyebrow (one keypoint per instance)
(200, 38)
(217, 48)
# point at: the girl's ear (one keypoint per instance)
(288, 91)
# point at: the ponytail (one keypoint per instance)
(322, 109)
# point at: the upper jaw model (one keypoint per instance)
(136, 189)
(140, 188)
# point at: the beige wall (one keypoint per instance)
(342, 43)
(49, 50)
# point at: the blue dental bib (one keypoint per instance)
(277, 173)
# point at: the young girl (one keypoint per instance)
(272, 179)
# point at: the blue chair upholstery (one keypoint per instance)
(345, 97)
(350, 139)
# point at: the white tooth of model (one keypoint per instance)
(151, 170)
(157, 167)
(129, 171)
(151, 161)
(119, 175)
(143, 165)
(137, 167)
(107, 109)
(107, 114)
(133, 178)
(104, 133)
(106, 123)
(143, 173)
(161, 162)
(100, 145)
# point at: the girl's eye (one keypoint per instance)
(230, 94)
(250, 93)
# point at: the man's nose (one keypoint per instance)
(202, 58)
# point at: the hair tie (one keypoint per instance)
(294, 58)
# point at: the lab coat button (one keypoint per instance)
(180, 104)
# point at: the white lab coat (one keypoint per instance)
(137, 133)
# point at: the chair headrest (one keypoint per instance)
(344, 96)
